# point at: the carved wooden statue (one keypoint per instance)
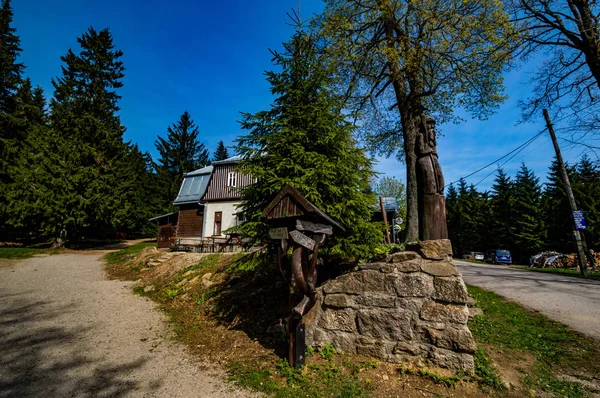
(430, 184)
(298, 223)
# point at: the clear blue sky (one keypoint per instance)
(208, 58)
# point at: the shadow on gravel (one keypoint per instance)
(37, 359)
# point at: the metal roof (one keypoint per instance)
(389, 203)
(162, 216)
(233, 159)
(193, 186)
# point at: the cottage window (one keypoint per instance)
(232, 179)
(218, 219)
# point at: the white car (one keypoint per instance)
(478, 256)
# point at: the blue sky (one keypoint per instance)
(208, 58)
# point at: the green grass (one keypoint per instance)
(594, 275)
(123, 255)
(555, 347)
(328, 379)
(19, 253)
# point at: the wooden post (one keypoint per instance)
(579, 242)
(385, 223)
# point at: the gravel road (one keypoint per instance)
(67, 331)
(572, 301)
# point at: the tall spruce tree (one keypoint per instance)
(529, 232)
(180, 153)
(305, 141)
(89, 137)
(221, 152)
(10, 79)
(502, 212)
(586, 188)
(558, 221)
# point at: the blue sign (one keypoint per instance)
(579, 220)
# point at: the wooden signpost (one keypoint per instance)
(298, 224)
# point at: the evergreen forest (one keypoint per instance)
(66, 172)
(522, 215)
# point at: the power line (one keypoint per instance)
(509, 159)
(519, 149)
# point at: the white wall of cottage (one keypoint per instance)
(229, 217)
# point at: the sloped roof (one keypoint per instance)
(193, 186)
(233, 159)
(389, 203)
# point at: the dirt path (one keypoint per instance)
(67, 331)
(572, 301)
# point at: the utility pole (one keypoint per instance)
(579, 242)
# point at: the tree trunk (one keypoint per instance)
(410, 128)
(410, 117)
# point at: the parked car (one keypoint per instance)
(498, 256)
(473, 256)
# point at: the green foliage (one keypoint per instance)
(305, 141)
(123, 255)
(529, 232)
(392, 187)
(328, 352)
(508, 325)
(484, 371)
(221, 152)
(396, 58)
(448, 381)
(180, 153)
(18, 253)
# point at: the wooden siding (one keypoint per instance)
(190, 221)
(287, 207)
(166, 235)
(217, 187)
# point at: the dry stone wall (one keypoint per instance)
(409, 309)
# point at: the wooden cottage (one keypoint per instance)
(222, 198)
(191, 212)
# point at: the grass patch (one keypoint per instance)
(19, 253)
(594, 275)
(126, 254)
(556, 348)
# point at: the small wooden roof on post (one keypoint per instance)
(289, 205)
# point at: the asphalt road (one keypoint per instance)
(67, 331)
(572, 301)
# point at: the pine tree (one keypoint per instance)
(180, 153)
(529, 232)
(586, 188)
(502, 212)
(89, 137)
(453, 219)
(10, 80)
(305, 141)
(558, 220)
(220, 152)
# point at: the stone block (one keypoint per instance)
(339, 300)
(405, 267)
(401, 257)
(474, 311)
(447, 359)
(373, 281)
(376, 350)
(441, 268)
(412, 304)
(438, 312)
(342, 320)
(374, 266)
(450, 290)
(458, 339)
(440, 249)
(387, 324)
(413, 285)
(371, 299)
(409, 348)
(341, 341)
(349, 283)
